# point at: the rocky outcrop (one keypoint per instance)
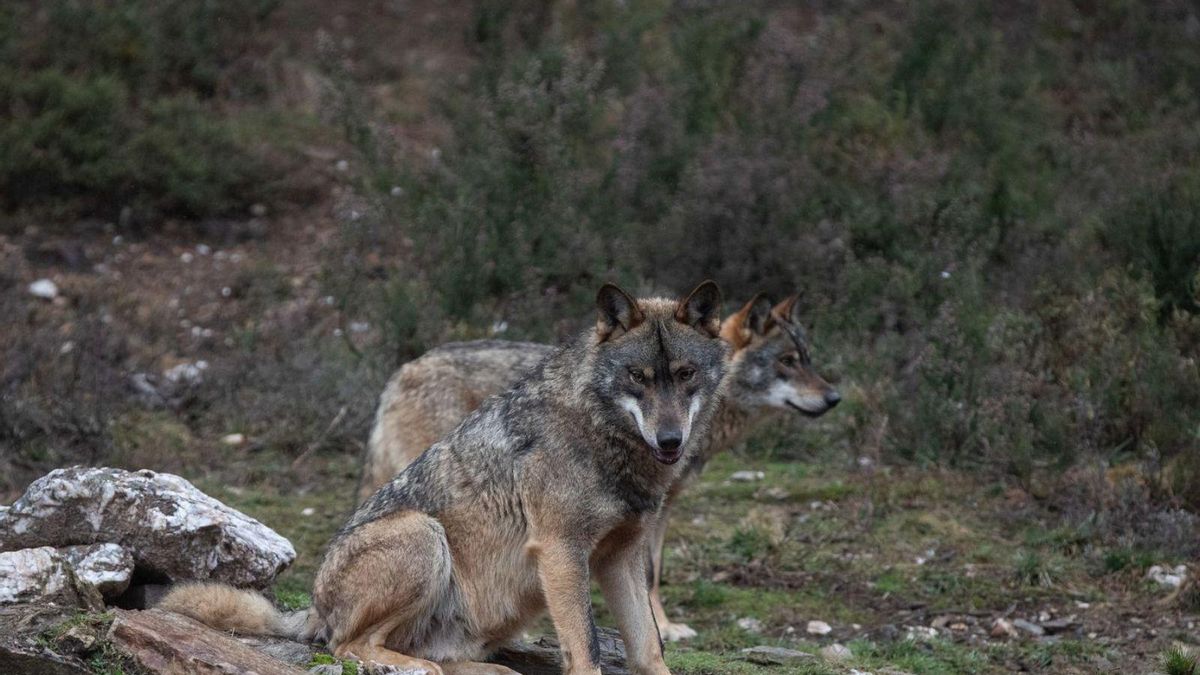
(172, 530)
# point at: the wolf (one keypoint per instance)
(770, 371)
(556, 481)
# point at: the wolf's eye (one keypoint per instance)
(637, 376)
(788, 360)
(686, 374)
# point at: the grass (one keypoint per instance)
(864, 575)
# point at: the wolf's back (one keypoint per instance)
(428, 397)
(233, 609)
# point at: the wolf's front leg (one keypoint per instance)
(623, 581)
(563, 569)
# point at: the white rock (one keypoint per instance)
(42, 575)
(171, 528)
(750, 624)
(747, 476)
(1166, 576)
(836, 652)
(44, 289)
(920, 633)
(818, 628)
(307, 511)
(233, 439)
(186, 373)
(108, 567)
(203, 249)
(186, 257)
(775, 655)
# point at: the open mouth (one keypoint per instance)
(668, 456)
(808, 413)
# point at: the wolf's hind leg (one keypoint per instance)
(382, 578)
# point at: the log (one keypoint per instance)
(166, 642)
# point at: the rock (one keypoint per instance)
(233, 439)
(44, 289)
(172, 529)
(288, 651)
(542, 657)
(44, 576)
(1029, 627)
(1060, 625)
(326, 669)
(23, 649)
(818, 628)
(774, 656)
(1167, 576)
(750, 624)
(166, 642)
(747, 476)
(836, 652)
(108, 567)
(186, 373)
(1003, 628)
(920, 633)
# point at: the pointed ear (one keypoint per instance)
(754, 318)
(787, 311)
(619, 313)
(701, 309)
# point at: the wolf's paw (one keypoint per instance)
(674, 632)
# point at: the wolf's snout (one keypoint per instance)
(832, 398)
(669, 440)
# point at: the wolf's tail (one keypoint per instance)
(232, 609)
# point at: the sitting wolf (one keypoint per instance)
(770, 370)
(555, 481)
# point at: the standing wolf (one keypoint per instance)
(559, 479)
(770, 370)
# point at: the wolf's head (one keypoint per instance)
(659, 366)
(770, 366)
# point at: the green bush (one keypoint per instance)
(107, 108)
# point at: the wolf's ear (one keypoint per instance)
(701, 309)
(619, 313)
(787, 311)
(754, 318)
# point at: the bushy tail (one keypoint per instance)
(233, 609)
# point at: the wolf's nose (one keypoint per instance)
(832, 398)
(669, 440)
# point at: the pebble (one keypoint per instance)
(774, 655)
(1166, 576)
(747, 476)
(750, 624)
(836, 652)
(1029, 627)
(233, 439)
(44, 289)
(818, 628)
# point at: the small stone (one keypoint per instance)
(327, 669)
(774, 656)
(818, 628)
(750, 624)
(1061, 625)
(203, 249)
(1166, 576)
(777, 493)
(747, 476)
(342, 165)
(44, 289)
(186, 257)
(920, 633)
(1029, 627)
(308, 511)
(1003, 628)
(78, 639)
(258, 210)
(396, 191)
(233, 439)
(836, 652)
